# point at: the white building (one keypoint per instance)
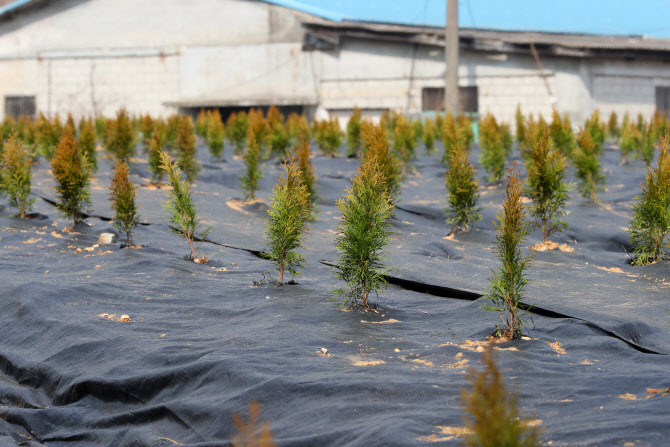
(160, 56)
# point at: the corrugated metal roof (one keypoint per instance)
(561, 44)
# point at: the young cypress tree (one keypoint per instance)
(428, 136)
(157, 144)
(286, 225)
(304, 161)
(586, 159)
(404, 141)
(520, 126)
(202, 123)
(631, 141)
(146, 128)
(650, 224)
(329, 136)
(462, 188)
(87, 139)
(493, 154)
(216, 134)
(597, 130)
(253, 174)
(186, 143)
(647, 148)
(121, 136)
(613, 130)
(507, 283)
(16, 175)
(183, 217)
(491, 413)
(377, 148)
(354, 141)
(72, 173)
(546, 187)
(122, 195)
(237, 126)
(364, 231)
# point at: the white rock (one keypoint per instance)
(106, 238)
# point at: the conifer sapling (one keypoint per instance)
(507, 283)
(253, 173)
(586, 159)
(363, 234)
(491, 413)
(354, 142)
(122, 195)
(186, 143)
(462, 192)
(183, 217)
(72, 171)
(546, 187)
(286, 224)
(16, 175)
(650, 224)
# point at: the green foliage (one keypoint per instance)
(87, 140)
(462, 188)
(546, 187)
(646, 152)
(304, 161)
(237, 126)
(631, 141)
(561, 133)
(122, 195)
(186, 144)
(183, 217)
(328, 136)
(16, 175)
(296, 125)
(613, 130)
(596, 129)
(491, 413)
(286, 225)
(157, 144)
(216, 134)
(72, 173)
(507, 283)
(363, 233)
(586, 159)
(354, 141)
(146, 128)
(493, 152)
(258, 126)
(377, 148)
(404, 140)
(172, 133)
(202, 123)
(48, 135)
(253, 174)
(429, 136)
(520, 126)
(650, 224)
(417, 127)
(456, 131)
(121, 136)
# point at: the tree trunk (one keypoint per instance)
(281, 276)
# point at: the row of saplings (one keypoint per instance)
(366, 208)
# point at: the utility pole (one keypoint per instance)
(451, 58)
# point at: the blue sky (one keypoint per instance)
(621, 17)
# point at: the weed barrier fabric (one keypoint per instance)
(204, 339)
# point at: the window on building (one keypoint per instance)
(16, 106)
(432, 98)
(663, 99)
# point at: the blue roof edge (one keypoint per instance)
(309, 9)
(13, 5)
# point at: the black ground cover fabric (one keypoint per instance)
(205, 339)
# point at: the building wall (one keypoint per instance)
(94, 56)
